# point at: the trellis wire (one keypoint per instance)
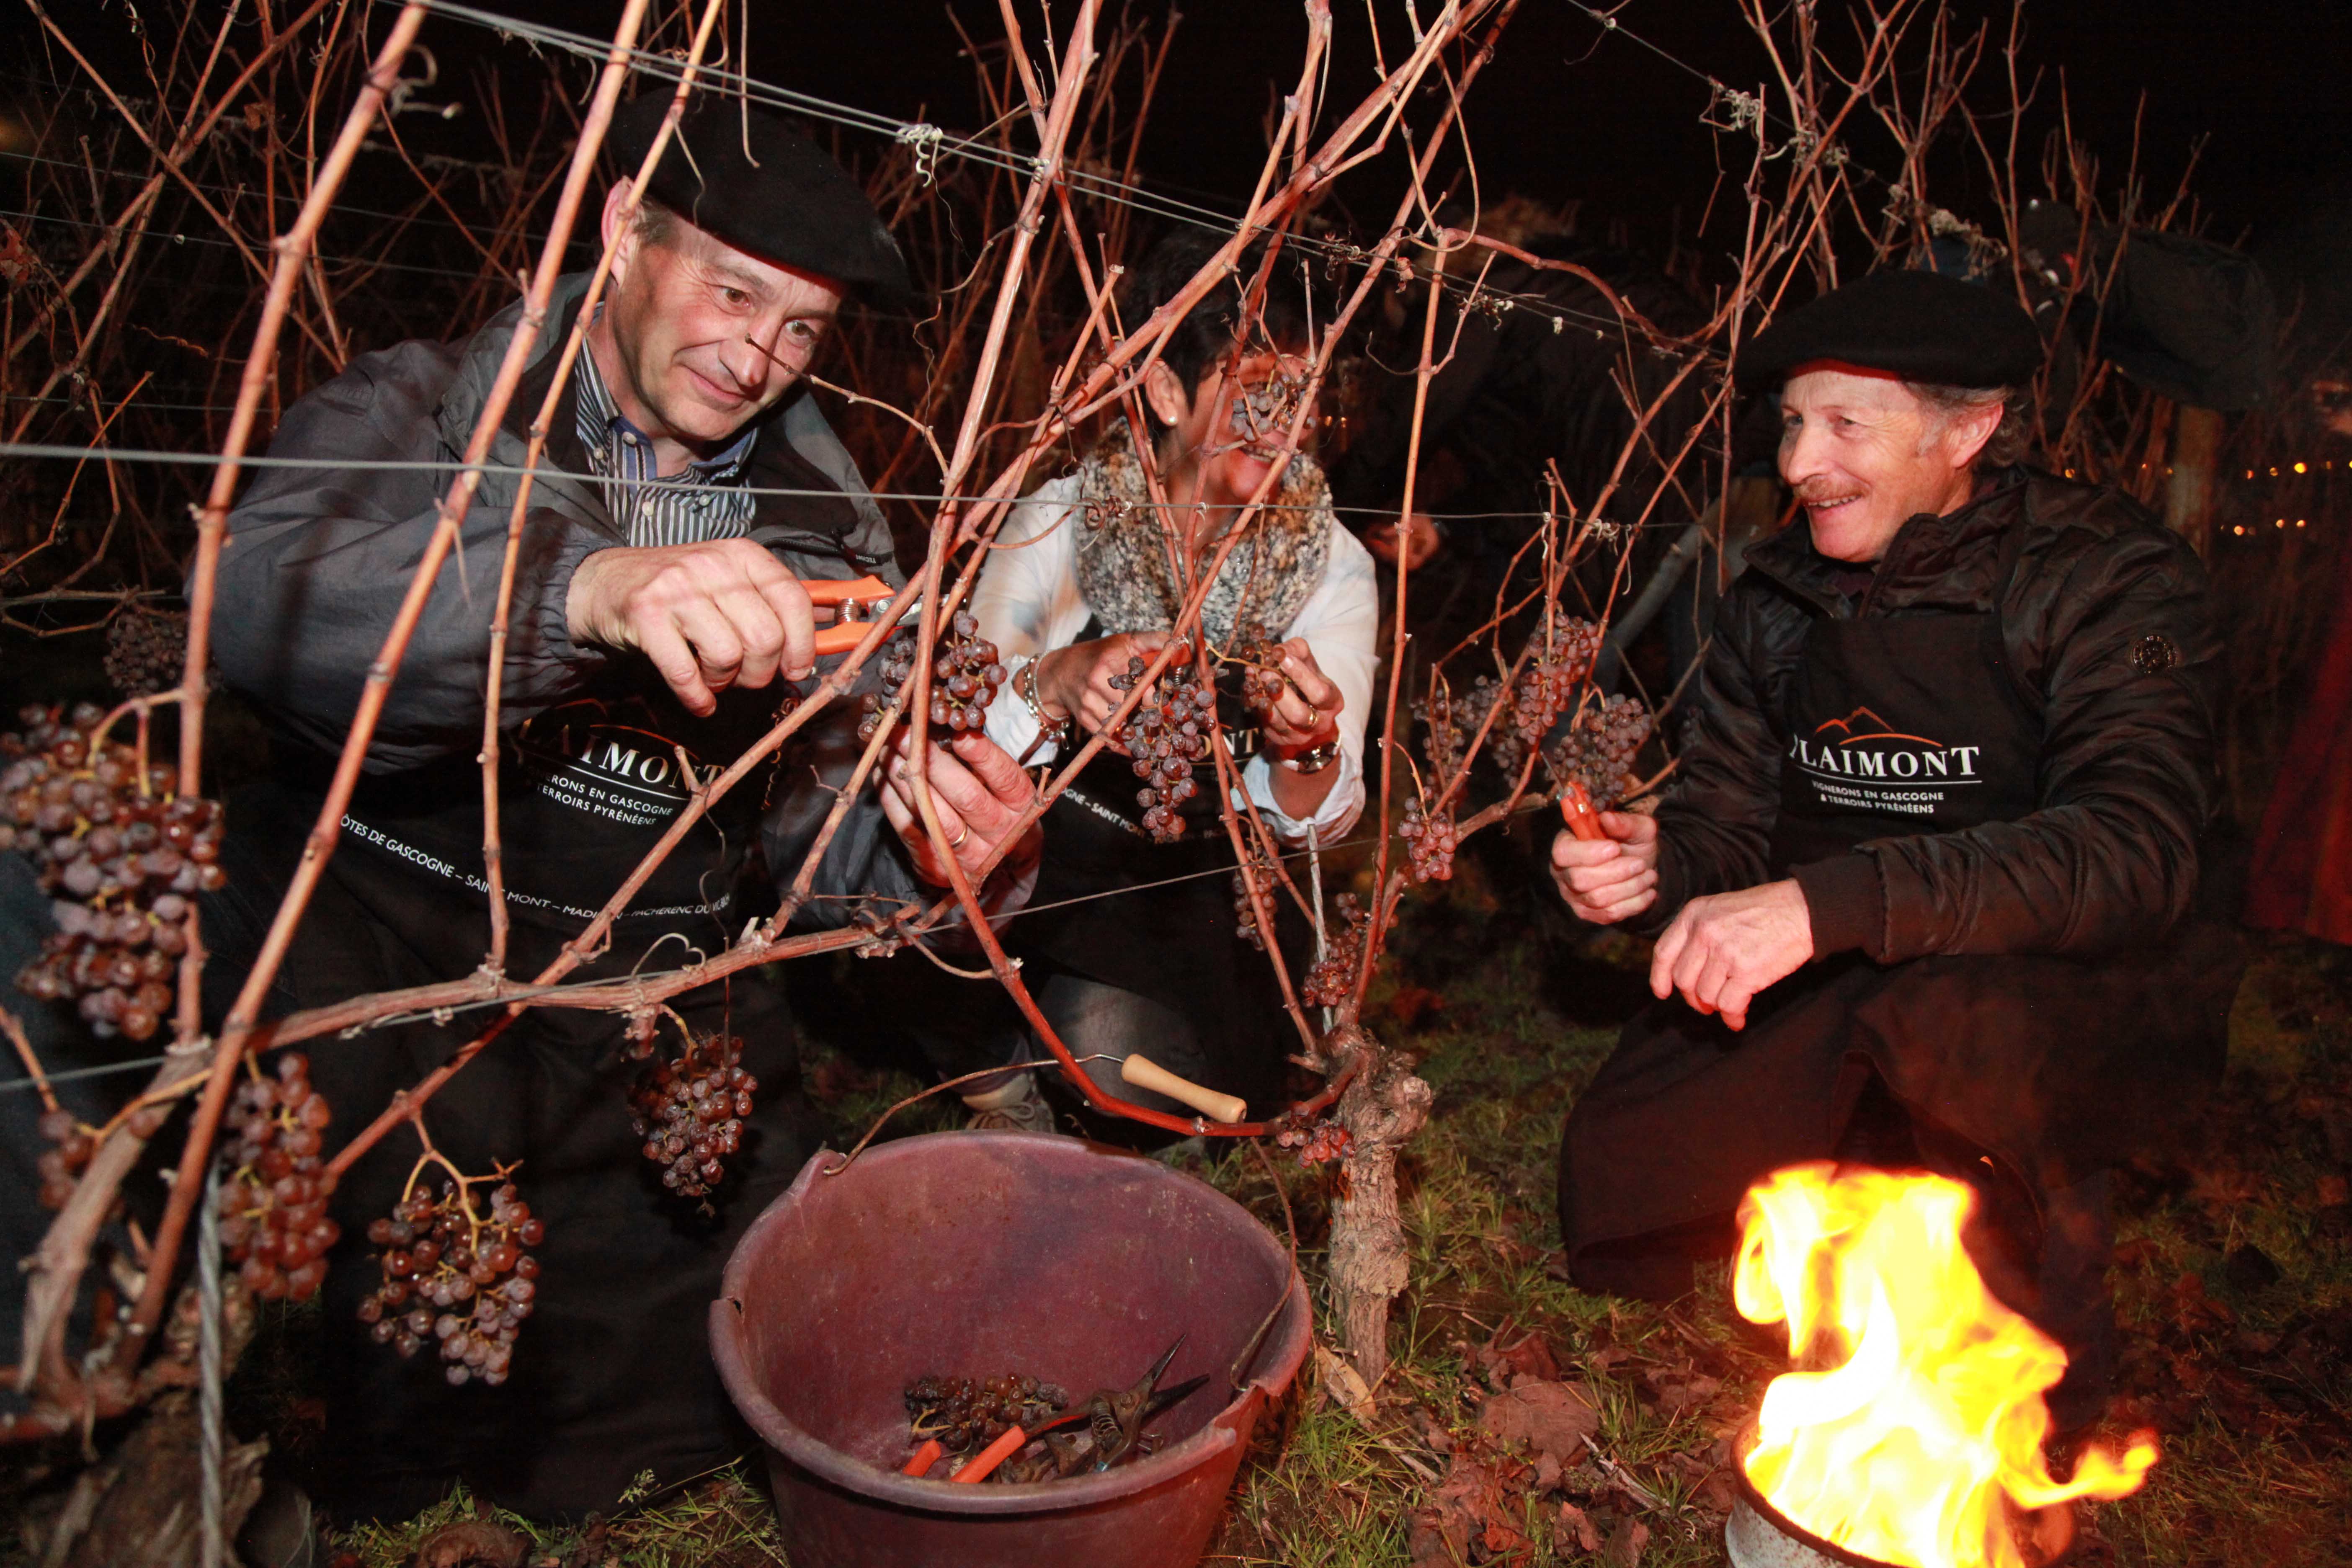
(208, 1369)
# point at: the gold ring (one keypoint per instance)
(1314, 715)
(956, 842)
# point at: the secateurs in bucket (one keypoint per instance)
(1106, 1429)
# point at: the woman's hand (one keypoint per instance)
(1306, 715)
(1077, 679)
(978, 791)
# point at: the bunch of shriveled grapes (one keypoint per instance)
(1599, 749)
(123, 850)
(898, 668)
(466, 1280)
(1544, 692)
(962, 1413)
(689, 1110)
(273, 1206)
(71, 1144)
(1263, 682)
(1166, 734)
(1429, 840)
(1331, 978)
(1444, 731)
(1315, 1141)
(146, 650)
(1245, 926)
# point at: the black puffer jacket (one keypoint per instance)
(2126, 785)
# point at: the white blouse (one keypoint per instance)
(1027, 603)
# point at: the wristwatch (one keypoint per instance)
(1314, 759)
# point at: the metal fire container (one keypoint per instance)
(1759, 1535)
(981, 1253)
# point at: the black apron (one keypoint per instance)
(2056, 1066)
(612, 1375)
(1175, 942)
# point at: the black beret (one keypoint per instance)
(1921, 326)
(789, 202)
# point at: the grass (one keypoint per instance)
(2233, 1280)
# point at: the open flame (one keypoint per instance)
(1930, 1411)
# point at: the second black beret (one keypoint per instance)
(1921, 326)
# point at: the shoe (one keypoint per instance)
(1017, 1107)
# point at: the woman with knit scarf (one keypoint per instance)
(1083, 580)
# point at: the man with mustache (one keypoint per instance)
(1930, 892)
(659, 627)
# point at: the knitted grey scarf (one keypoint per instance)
(1123, 558)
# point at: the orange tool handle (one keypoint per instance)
(984, 1464)
(843, 636)
(1145, 1073)
(1576, 810)
(925, 1457)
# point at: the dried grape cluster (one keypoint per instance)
(1246, 927)
(689, 1110)
(1544, 692)
(1332, 978)
(71, 1144)
(273, 1206)
(1429, 840)
(1537, 696)
(965, 679)
(1599, 749)
(123, 850)
(1315, 1141)
(67, 1156)
(898, 668)
(962, 1413)
(1263, 683)
(1166, 734)
(146, 651)
(467, 1282)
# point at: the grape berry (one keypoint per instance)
(124, 851)
(1430, 840)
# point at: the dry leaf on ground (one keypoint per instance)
(1552, 1418)
(1339, 1383)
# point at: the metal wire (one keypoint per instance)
(210, 1547)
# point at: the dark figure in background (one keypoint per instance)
(1931, 891)
(1514, 396)
(658, 608)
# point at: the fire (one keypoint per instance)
(1931, 1410)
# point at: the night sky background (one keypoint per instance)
(1568, 112)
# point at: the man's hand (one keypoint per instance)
(1720, 951)
(1077, 678)
(1307, 714)
(710, 616)
(1420, 541)
(978, 791)
(1609, 880)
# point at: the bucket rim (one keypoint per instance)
(1279, 1359)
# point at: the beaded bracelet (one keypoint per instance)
(1026, 683)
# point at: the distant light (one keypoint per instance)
(2298, 522)
(2281, 522)
(2275, 473)
(2240, 529)
(2300, 469)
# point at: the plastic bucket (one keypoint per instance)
(979, 1253)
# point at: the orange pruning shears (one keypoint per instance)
(857, 600)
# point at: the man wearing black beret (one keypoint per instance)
(1930, 892)
(659, 625)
